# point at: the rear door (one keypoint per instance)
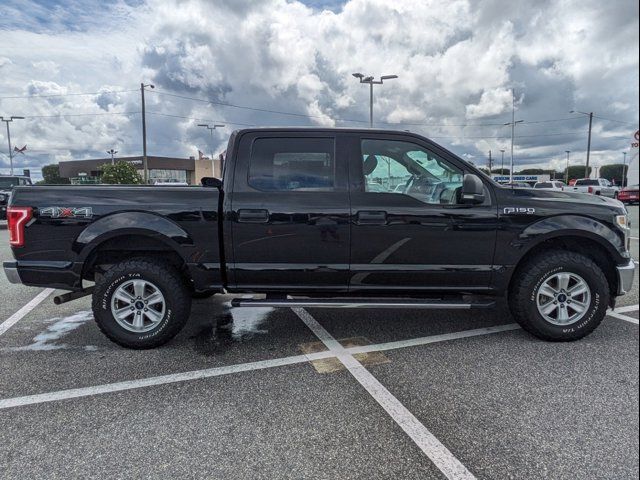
(290, 213)
(409, 230)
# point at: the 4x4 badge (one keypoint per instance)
(66, 212)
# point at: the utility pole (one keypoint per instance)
(112, 152)
(370, 80)
(590, 115)
(624, 168)
(502, 166)
(489, 162)
(513, 129)
(145, 165)
(7, 121)
(566, 179)
(211, 129)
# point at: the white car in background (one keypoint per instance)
(555, 185)
(596, 186)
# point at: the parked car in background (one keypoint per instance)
(517, 185)
(595, 186)
(555, 185)
(629, 194)
(170, 182)
(7, 182)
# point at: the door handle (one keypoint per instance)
(369, 217)
(253, 216)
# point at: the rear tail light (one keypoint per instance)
(17, 217)
(590, 189)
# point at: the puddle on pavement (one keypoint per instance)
(232, 325)
(58, 328)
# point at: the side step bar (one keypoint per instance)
(361, 303)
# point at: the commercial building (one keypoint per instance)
(189, 170)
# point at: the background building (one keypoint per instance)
(189, 170)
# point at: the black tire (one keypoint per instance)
(529, 278)
(203, 294)
(166, 278)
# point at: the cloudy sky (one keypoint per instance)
(74, 68)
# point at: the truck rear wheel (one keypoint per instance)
(559, 296)
(141, 303)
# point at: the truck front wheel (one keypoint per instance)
(141, 303)
(559, 296)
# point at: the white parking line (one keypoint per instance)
(160, 380)
(442, 458)
(16, 317)
(218, 371)
(624, 317)
(627, 308)
(414, 342)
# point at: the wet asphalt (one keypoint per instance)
(506, 404)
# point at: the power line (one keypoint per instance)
(65, 94)
(80, 114)
(201, 119)
(617, 121)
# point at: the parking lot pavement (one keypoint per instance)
(464, 393)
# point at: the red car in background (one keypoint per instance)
(629, 194)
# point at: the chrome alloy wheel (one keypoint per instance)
(138, 306)
(563, 298)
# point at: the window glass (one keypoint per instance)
(292, 164)
(404, 168)
(585, 181)
(543, 185)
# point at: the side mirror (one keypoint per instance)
(472, 189)
(211, 182)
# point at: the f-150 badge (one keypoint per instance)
(519, 210)
(66, 212)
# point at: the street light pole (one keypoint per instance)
(112, 152)
(145, 165)
(211, 129)
(513, 129)
(370, 80)
(624, 167)
(7, 120)
(566, 176)
(502, 166)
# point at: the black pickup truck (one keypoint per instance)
(324, 218)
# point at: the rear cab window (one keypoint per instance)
(292, 164)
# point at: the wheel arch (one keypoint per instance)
(584, 243)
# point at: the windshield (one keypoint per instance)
(543, 185)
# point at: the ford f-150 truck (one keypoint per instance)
(324, 218)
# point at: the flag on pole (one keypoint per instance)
(20, 150)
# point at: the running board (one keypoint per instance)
(360, 303)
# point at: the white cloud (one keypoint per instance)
(456, 61)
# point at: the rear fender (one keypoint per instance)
(133, 223)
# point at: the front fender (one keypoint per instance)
(571, 225)
(131, 223)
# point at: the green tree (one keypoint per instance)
(122, 173)
(500, 171)
(51, 176)
(577, 171)
(613, 172)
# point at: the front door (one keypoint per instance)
(290, 213)
(410, 232)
